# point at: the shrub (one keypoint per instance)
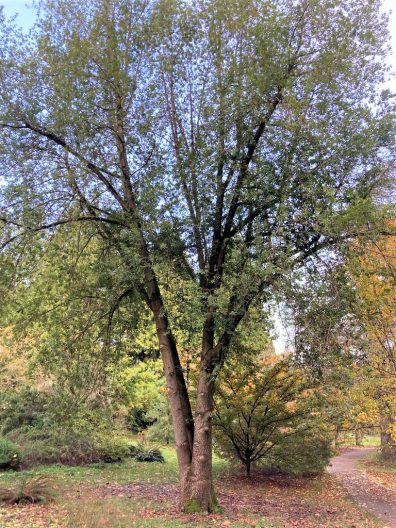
(51, 446)
(138, 420)
(150, 455)
(9, 454)
(26, 408)
(38, 452)
(72, 448)
(302, 454)
(112, 450)
(133, 450)
(28, 491)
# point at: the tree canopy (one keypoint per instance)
(230, 142)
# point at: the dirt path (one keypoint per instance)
(377, 499)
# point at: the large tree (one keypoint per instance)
(228, 141)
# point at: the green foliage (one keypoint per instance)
(321, 312)
(264, 410)
(112, 450)
(58, 446)
(9, 454)
(28, 491)
(305, 452)
(69, 447)
(255, 134)
(137, 420)
(161, 431)
(143, 386)
(63, 330)
(149, 455)
(24, 408)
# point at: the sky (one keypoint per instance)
(26, 16)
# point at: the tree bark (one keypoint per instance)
(388, 446)
(358, 437)
(200, 496)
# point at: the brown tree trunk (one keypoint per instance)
(248, 467)
(183, 424)
(358, 437)
(388, 446)
(199, 495)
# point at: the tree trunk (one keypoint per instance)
(179, 402)
(199, 494)
(358, 437)
(248, 467)
(337, 437)
(388, 446)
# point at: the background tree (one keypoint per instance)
(343, 318)
(231, 141)
(264, 413)
(373, 269)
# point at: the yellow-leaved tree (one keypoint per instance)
(374, 273)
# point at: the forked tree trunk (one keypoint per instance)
(193, 445)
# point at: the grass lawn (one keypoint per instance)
(348, 439)
(145, 495)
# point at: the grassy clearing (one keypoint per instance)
(120, 473)
(145, 495)
(130, 470)
(348, 439)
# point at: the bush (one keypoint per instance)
(138, 420)
(38, 452)
(72, 448)
(75, 448)
(117, 450)
(150, 455)
(28, 491)
(112, 450)
(302, 454)
(9, 454)
(134, 450)
(26, 408)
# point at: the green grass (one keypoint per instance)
(121, 473)
(348, 439)
(66, 478)
(123, 513)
